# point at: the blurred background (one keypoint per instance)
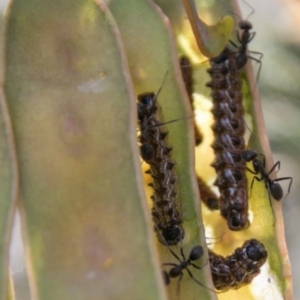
(276, 23)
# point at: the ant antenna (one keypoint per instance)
(252, 9)
(235, 14)
(226, 8)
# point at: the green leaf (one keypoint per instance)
(10, 289)
(8, 193)
(277, 269)
(150, 46)
(211, 39)
(73, 110)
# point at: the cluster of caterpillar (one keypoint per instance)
(229, 143)
(238, 269)
(155, 151)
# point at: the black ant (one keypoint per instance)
(272, 185)
(177, 269)
(244, 38)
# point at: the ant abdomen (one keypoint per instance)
(196, 253)
(241, 61)
(276, 190)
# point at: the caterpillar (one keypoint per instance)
(208, 197)
(229, 143)
(187, 75)
(238, 269)
(154, 149)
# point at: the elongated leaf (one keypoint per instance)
(211, 39)
(150, 47)
(8, 194)
(72, 105)
(277, 269)
(10, 289)
(274, 282)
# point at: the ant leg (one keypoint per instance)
(169, 264)
(178, 283)
(274, 167)
(191, 275)
(259, 69)
(197, 267)
(234, 44)
(252, 182)
(270, 201)
(257, 179)
(182, 254)
(263, 159)
(239, 37)
(175, 255)
(286, 178)
(290, 185)
(251, 171)
(251, 37)
(261, 55)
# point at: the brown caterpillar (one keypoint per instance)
(187, 75)
(229, 143)
(155, 151)
(208, 197)
(238, 269)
